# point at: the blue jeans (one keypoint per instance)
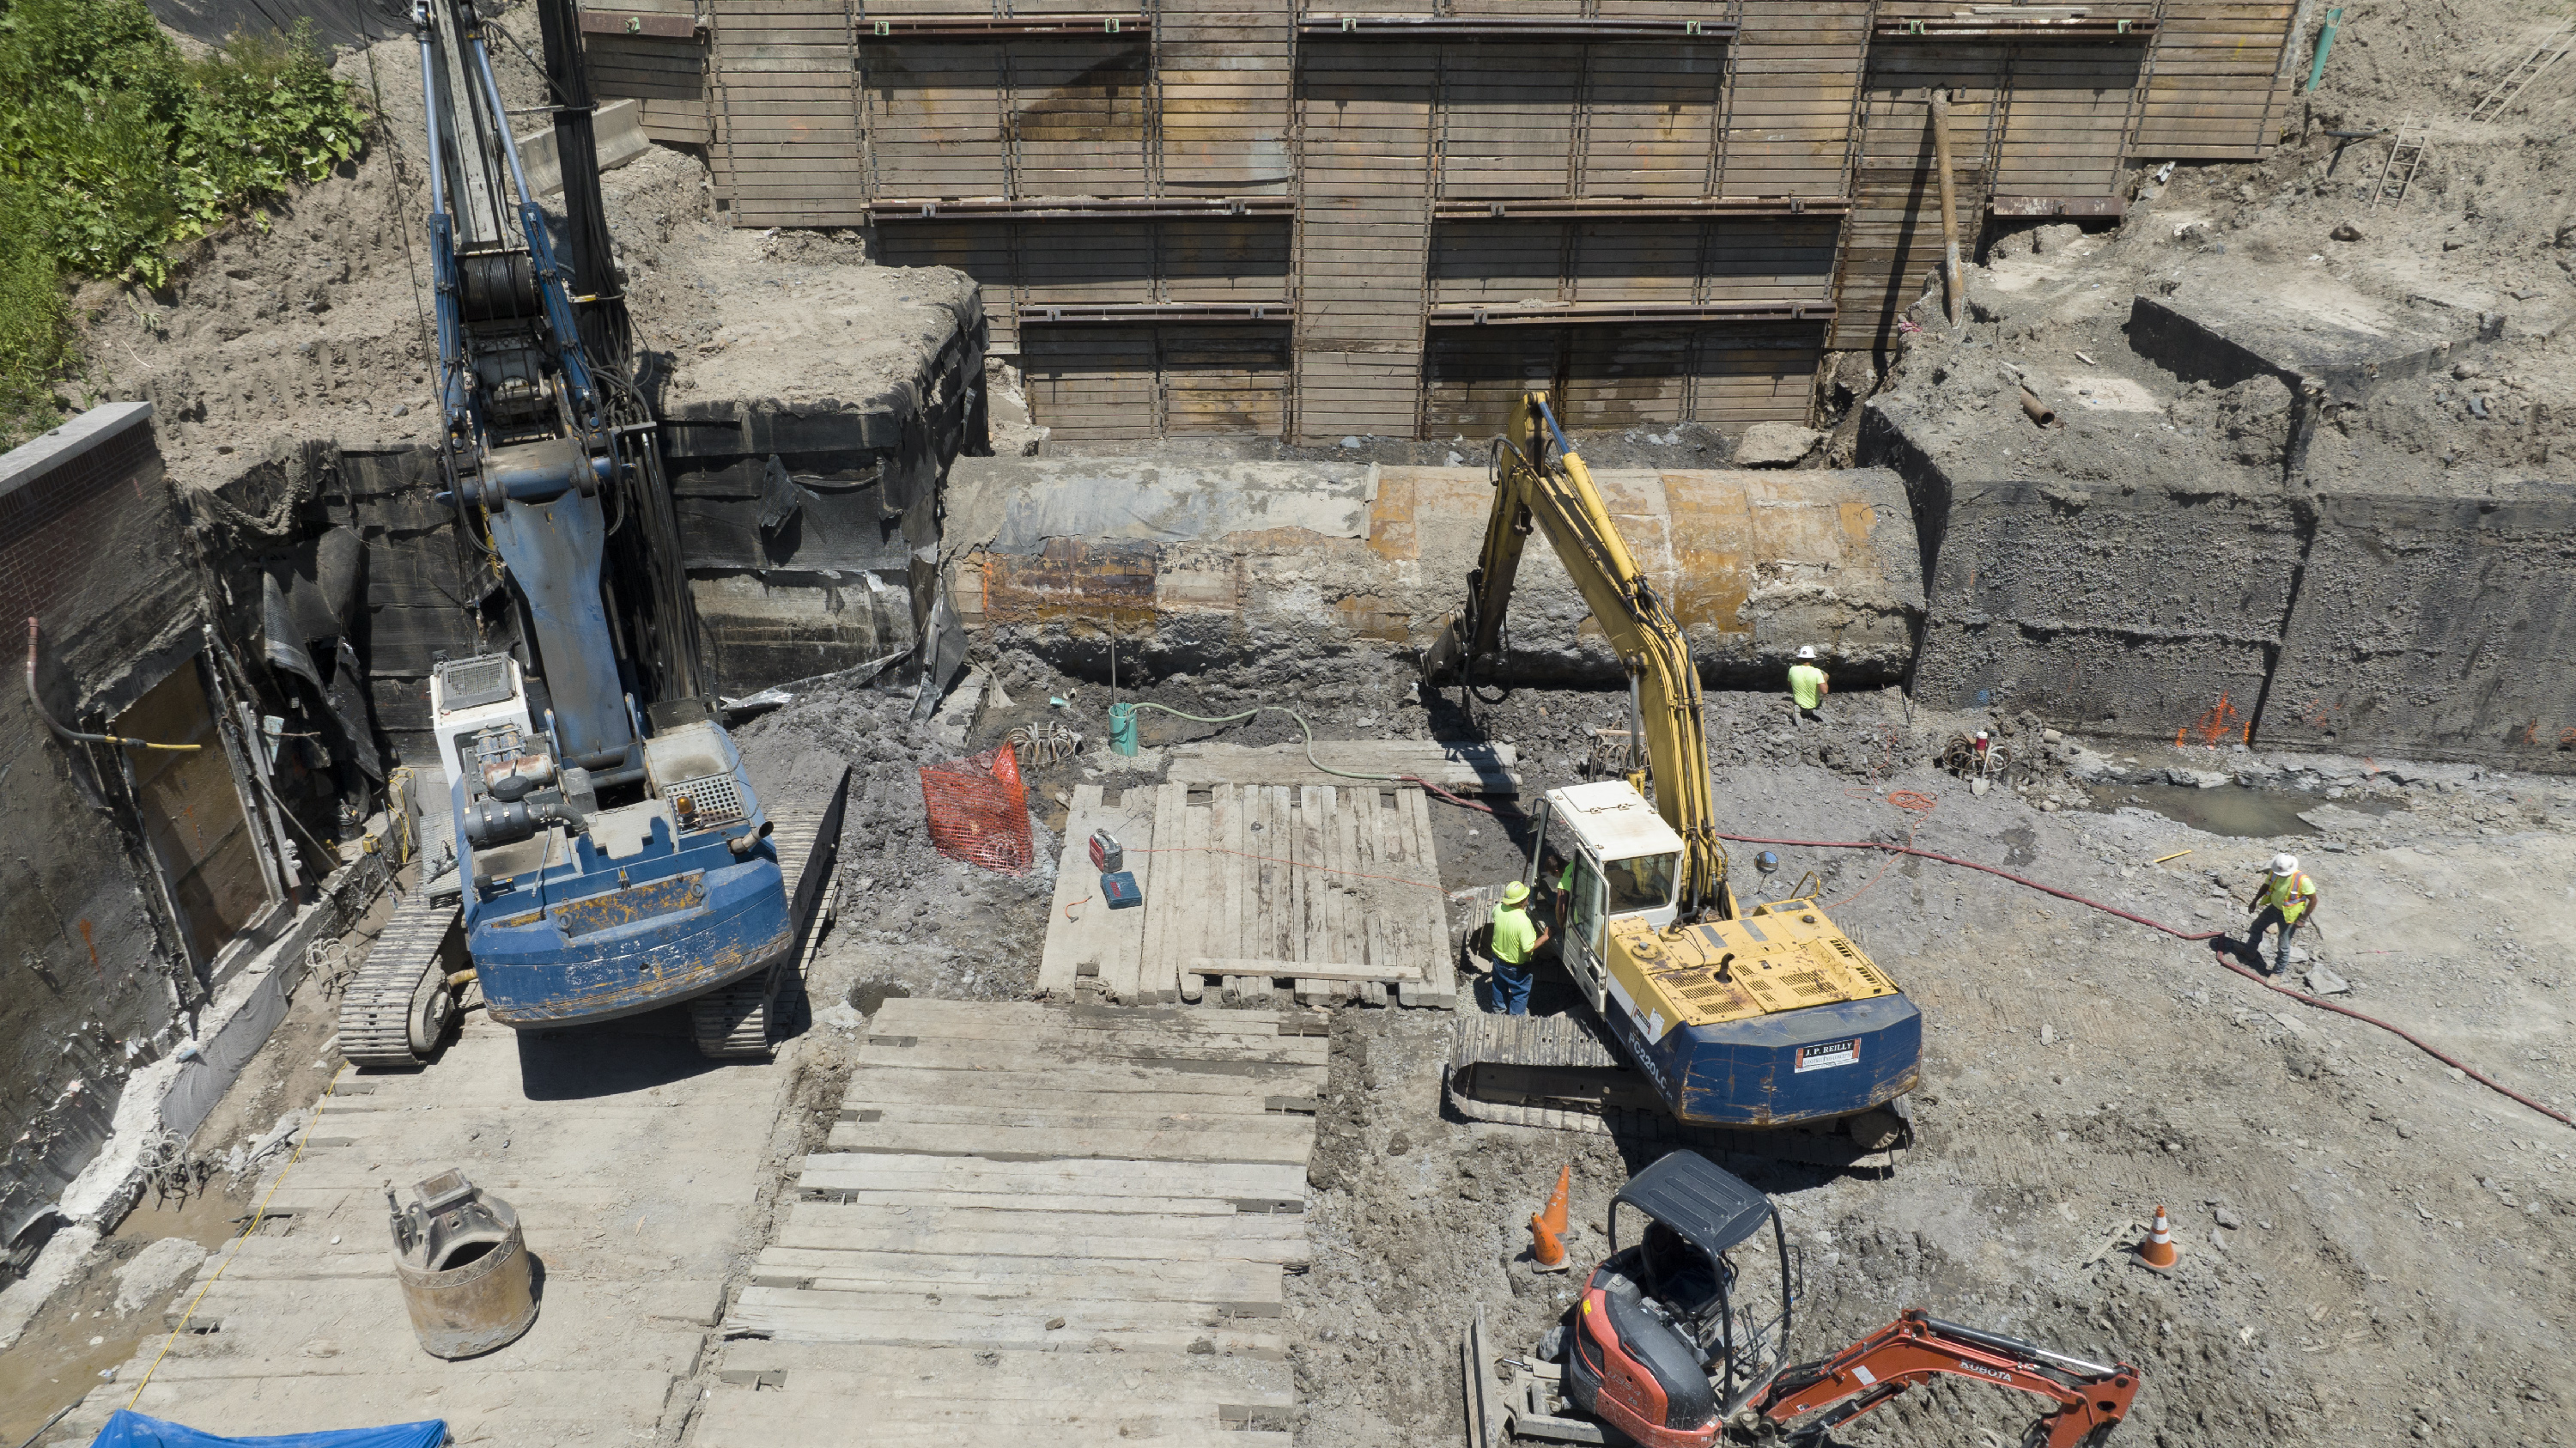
(2270, 917)
(1511, 988)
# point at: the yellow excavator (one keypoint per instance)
(1768, 1022)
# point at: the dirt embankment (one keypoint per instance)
(312, 321)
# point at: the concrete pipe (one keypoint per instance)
(467, 1278)
(1205, 565)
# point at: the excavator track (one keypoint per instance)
(1563, 1073)
(742, 1021)
(398, 1004)
(732, 1023)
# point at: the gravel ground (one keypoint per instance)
(2372, 1244)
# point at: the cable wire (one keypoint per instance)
(1277, 709)
(256, 1218)
(2217, 952)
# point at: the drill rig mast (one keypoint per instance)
(608, 865)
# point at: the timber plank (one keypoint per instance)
(1220, 1181)
(1290, 1141)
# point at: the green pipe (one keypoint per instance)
(2325, 43)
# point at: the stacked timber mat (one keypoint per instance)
(1037, 1223)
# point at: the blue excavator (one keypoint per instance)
(612, 856)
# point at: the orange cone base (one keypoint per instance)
(1547, 1249)
(2145, 1254)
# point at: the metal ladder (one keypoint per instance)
(2398, 171)
(2548, 53)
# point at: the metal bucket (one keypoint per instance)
(466, 1274)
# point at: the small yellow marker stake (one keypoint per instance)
(2176, 855)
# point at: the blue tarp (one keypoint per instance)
(133, 1430)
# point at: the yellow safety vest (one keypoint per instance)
(2290, 894)
(1514, 936)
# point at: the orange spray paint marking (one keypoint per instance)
(92, 943)
(2219, 720)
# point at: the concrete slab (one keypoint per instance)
(302, 1326)
(1754, 563)
(2298, 326)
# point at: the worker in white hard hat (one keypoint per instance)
(2285, 898)
(1807, 686)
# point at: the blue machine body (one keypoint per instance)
(590, 938)
(608, 872)
(1807, 1065)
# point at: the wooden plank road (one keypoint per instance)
(1044, 1223)
(1254, 891)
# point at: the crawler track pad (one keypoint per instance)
(1563, 1074)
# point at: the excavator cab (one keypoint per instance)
(1626, 864)
(1687, 1331)
(1672, 1331)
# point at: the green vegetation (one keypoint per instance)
(114, 148)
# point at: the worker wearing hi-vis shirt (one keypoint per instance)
(2285, 899)
(1808, 685)
(1515, 939)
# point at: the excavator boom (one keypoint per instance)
(2090, 1398)
(1554, 490)
(1720, 1018)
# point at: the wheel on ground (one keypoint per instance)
(433, 1009)
(1879, 1128)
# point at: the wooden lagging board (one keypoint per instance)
(1243, 885)
(1037, 1223)
(1376, 143)
(785, 113)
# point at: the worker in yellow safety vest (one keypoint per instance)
(1807, 686)
(1515, 938)
(2285, 899)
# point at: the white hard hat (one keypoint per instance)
(2285, 864)
(1806, 651)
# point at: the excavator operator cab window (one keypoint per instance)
(1683, 1275)
(1641, 882)
(1586, 917)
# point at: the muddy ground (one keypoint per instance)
(2373, 1245)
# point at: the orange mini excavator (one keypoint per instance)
(1668, 1347)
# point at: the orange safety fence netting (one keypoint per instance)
(979, 811)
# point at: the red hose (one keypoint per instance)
(2221, 956)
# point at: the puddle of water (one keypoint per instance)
(55, 1362)
(2232, 809)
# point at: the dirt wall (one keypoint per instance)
(2435, 628)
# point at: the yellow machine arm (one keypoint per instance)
(1556, 491)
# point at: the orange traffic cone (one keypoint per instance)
(2159, 1251)
(1547, 1228)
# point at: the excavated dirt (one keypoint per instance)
(2350, 1210)
(312, 321)
(2483, 243)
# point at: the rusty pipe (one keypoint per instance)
(1953, 280)
(2039, 411)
